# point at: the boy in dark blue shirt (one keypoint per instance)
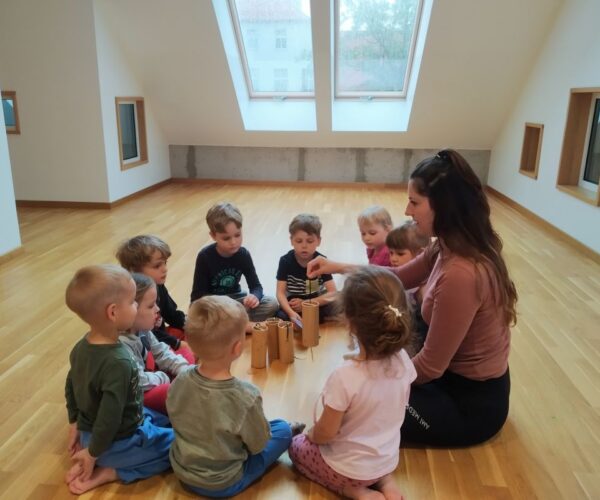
(220, 266)
(293, 286)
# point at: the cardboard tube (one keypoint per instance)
(272, 339)
(286, 342)
(310, 321)
(259, 346)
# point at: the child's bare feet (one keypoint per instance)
(297, 428)
(389, 488)
(101, 475)
(363, 493)
(73, 472)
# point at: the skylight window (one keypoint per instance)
(374, 46)
(275, 43)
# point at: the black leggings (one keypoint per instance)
(456, 411)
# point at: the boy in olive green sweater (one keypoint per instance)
(111, 436)
(223, 442)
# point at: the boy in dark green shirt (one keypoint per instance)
(108, 424)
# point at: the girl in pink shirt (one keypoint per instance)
(354, 445)
(374, 224)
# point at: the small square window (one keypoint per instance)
(131, 125)
(11, 113)
(532, 146)
(579, 168)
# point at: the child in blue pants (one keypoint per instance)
(111, 436)
(223, 442)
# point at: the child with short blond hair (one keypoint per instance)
(374, 224)
(293, 285)
(111, 436)
(221, 265)
(156, 362)
(353, 447)
(223, 442)
(148, 254)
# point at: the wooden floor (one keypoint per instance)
(549, 448)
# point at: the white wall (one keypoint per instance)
(48, 57)
(476, 58)
(117, 79)
(9, 224)
(570, 58)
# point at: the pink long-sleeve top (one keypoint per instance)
(467, 334)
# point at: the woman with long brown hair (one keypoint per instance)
(461, 393)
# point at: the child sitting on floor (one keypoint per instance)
(148, 254)
(220, 266)
(353, 447)
(155, 361)
(405, 243)
(111, 435)
(375, 223)
(293, 286)
(223, 442)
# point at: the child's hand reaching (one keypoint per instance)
(296, 305)
(86, 462)
(73, 445)
(250, 301)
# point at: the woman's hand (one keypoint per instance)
(321, 265)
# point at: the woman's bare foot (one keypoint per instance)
(297, 428)
(363, 493)
(389, 488)
(101, 475)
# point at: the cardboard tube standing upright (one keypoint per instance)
(286, 342)
(310, 322)
(272, 339)
(259, 346)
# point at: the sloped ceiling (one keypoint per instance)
(477, 57)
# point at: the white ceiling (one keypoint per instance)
(477, 58)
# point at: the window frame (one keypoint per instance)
(592, 186)
(12, 95)
(140, 132)
(377, 95)
(252, 94)
(575, 141)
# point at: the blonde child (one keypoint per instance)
(406, 243)
(111, 436)
(375, 223)
(148, 254)
(220, 266)
(155, 361)
(293, 286)
(354, 445)
(223, 442)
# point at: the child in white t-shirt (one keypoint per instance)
(354, 445)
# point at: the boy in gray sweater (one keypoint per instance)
(223, 442)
